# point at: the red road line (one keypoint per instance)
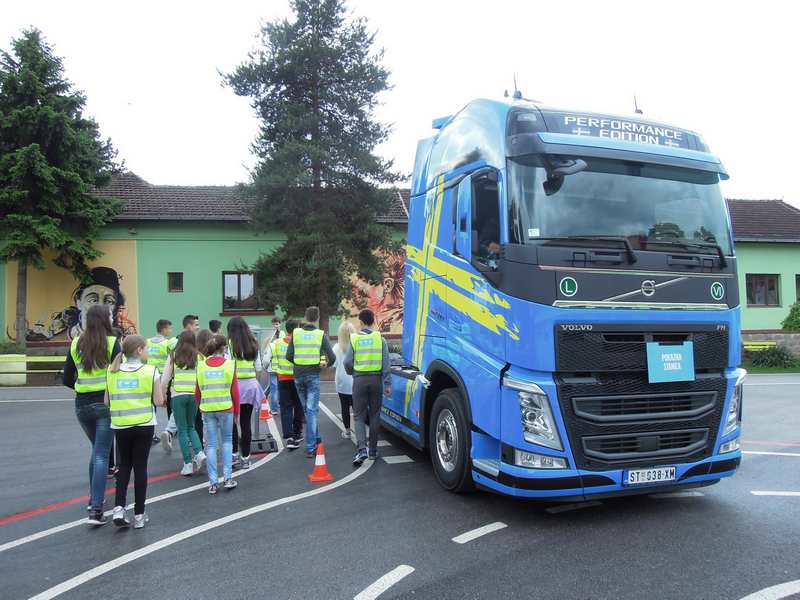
(21, 516)
(765, 443)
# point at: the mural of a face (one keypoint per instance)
(96, 294)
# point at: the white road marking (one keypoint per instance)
(782, 494)
(384, 583)
(384, 443)
(772, 383)
(192, 488)
(554, 510)
(397, 460)
(104, 568)
(776, 592)
(480, 531)
(687, 494)
(37, 400)
(795, 454)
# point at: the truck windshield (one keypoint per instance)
(645, 203)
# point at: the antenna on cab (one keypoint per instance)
(636, 108)
(517, 93)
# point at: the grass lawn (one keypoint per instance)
(753, 369)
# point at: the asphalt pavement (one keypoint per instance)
(388, 527)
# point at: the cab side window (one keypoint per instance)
(486, 220)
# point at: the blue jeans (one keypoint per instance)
(272, 390)
(212, 422)
(308, 390)
(95, 419)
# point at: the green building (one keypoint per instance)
(174, 250)
(767, 236)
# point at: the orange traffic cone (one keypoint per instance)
(264, 415)
(320, 472)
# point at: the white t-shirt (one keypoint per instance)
(133, 365)
(344, 382)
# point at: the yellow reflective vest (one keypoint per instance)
(282, 364)
(367, 352)
(130, 396)
(245, 369)
(215, 386)
(307, 346)
(94, 380)
(184, 380)
(157, 351)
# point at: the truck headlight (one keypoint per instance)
(733, 417)
(538, 425)
(731, 446)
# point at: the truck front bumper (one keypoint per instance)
(585, 485)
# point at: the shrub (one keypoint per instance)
(792, 320)
(11, 348)
(777, 356)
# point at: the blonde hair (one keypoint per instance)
(130, 346)
(343, 335)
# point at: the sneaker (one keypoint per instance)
(311, 453)
(156, 440)
(274, 412)
(120, 518)
(188, 469)
(166, 441)
(96, 518)
(230, 484)
(347, 434)
(245, 463)
(200, 459)
(292, 444)
(213, 489)
(360, 457)
(139, 520)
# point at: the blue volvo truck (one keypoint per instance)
(571, 325)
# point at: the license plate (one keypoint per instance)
(647, 476)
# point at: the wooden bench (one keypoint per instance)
(759, 346)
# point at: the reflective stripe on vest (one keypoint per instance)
(307, 346)
(367, 352)
(130, 396)
(245, 369)
(215, 386)
(94, 380)
(184, 380)
(283, 366)
(157, 353)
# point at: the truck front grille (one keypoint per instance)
(617, 420)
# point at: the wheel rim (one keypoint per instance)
(447, 440)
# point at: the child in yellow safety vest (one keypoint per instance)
(132, 393)
(217, 392)
(367, 360)
(181, 372)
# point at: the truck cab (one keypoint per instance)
(571, 325)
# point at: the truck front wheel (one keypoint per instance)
(449, 442)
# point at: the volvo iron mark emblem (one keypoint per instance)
(648, 287)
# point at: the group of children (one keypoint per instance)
(209, 384)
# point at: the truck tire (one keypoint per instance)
(450, 442)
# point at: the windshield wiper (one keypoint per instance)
(596, 238)
(688, 245)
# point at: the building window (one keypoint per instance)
(797, 286)
(175, 282)
(239, 291)
(762, 290)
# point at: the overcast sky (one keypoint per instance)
(726, 69)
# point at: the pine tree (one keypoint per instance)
(314, 83)
(51, 156)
